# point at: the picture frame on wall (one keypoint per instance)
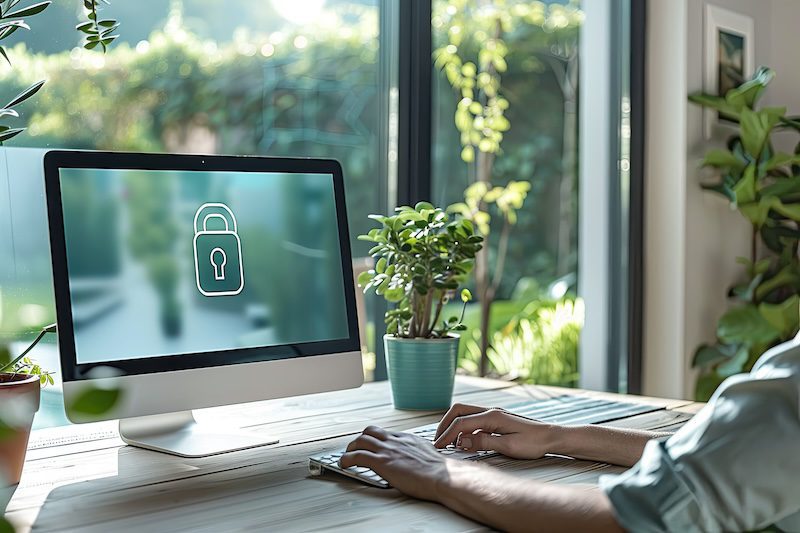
(729, 56)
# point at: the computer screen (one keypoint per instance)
(184, 262)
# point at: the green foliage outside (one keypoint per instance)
(159, 97)
(540, 344)
(473, 56)
(763, 184)
(535, 337)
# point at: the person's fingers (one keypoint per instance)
(359, 458)
(454, 412)
(487, 421)
(375, 431)
(484, 441)
(365, 442)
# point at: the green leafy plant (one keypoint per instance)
(22, 364)
(764, 186)
(422, 256)
(473, 63)
(507, 201)
(99, 32)
(540, 344)
(12, 20)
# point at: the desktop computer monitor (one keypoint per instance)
(189, 281)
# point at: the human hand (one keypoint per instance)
(474, 428)
(407, 462)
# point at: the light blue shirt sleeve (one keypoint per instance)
(735, 466)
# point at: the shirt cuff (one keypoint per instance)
(652, 496)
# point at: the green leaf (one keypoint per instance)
(786, 276)
(95, 401)
(748, 93)
(715, 102)
(781, 159)
(29, 11)
(746, 291)
(757, 213)
(784, 316)
(723, 159)
(364, 278)
(755, 127)
(466, 296)
(15, 24)
(707, 356)
(84, 26)
(782, 187)
(24, 95)
(8, 134)
(746, 325)
(420, 206)
(735, 364)
(745, 189)
(5, 526)
(791, 211)
(380, 266)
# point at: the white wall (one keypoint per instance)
(692, 237)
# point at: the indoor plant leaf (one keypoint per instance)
(707, 356)
(745, 189)
(784, 316)
(719, 158)
(746, 325)
(735, 364)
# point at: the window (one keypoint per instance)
(505, 94)
(301, 78)
(418, 100)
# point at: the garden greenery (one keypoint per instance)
(540, 345)
(763, 184)
(422, 255)
(473, 60)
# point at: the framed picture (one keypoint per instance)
(729, 55)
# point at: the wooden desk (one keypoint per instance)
(84, 478)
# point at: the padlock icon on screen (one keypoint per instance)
(217, 252)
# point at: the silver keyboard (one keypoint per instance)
(319, 463)
(565, 409)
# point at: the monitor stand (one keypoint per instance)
(180, 434)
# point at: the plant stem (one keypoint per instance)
(10, 366)
(754, 245)
(426, 314)
(502, 249)
(439, 305)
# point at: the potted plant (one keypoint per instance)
(20, 382)
(422, 256)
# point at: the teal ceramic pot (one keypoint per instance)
(421, 371)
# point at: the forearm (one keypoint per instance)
(509, 503)
(599, 443)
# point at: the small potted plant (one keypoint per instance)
(422, 255)
(20, 382)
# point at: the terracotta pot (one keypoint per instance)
(19, 401)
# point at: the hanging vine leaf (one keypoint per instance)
(98, 32)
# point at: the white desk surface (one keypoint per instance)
(83, 478)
